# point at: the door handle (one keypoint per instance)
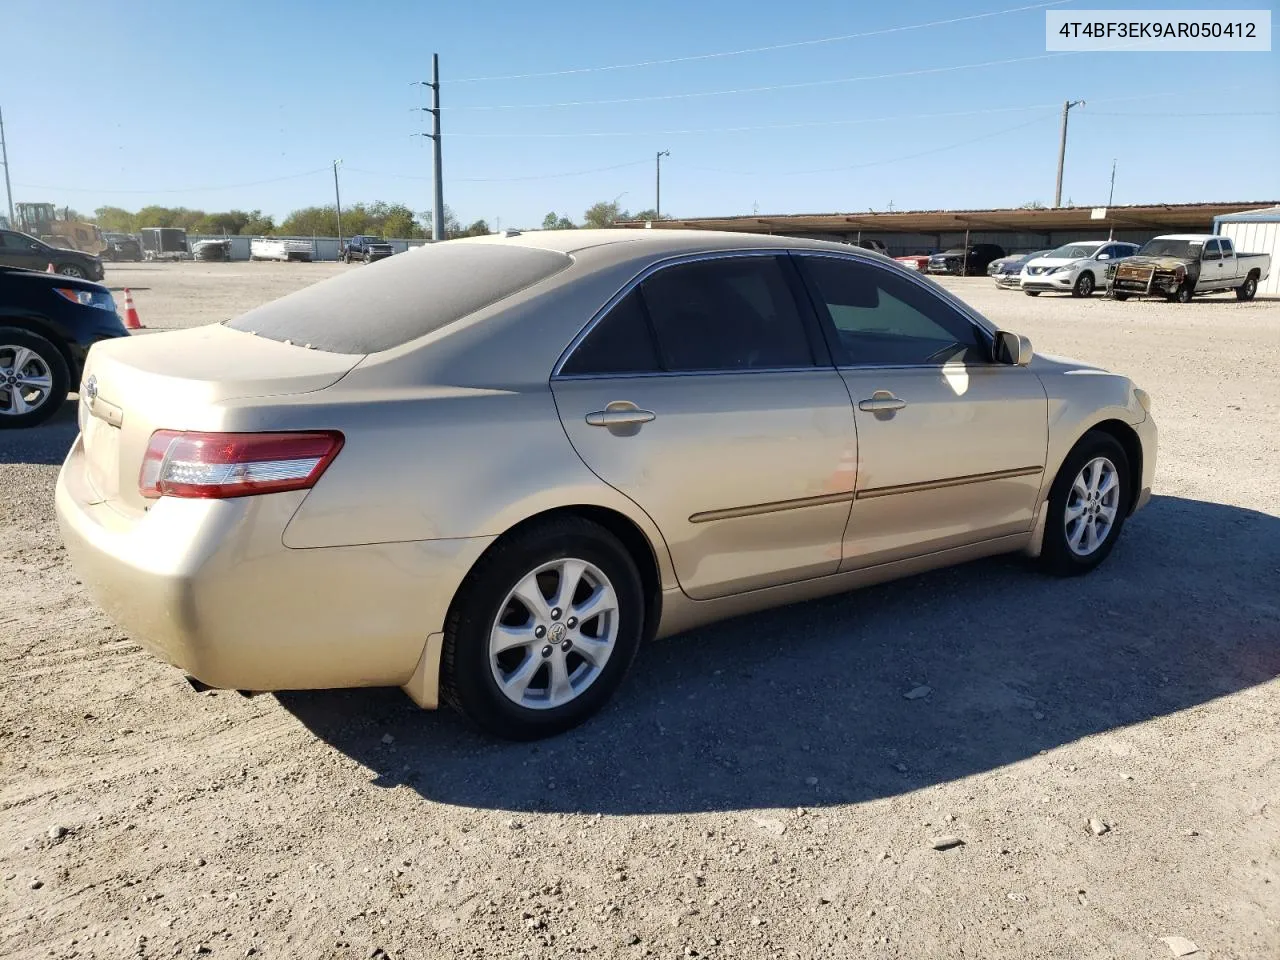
(880, 401)
(620, 413)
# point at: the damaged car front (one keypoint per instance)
(1164, 267)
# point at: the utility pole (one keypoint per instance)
(657, 184)
(337, 202)
(8, 190)
(1062, 148)
(1111, 196)
(437, 214)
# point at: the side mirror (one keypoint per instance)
(1012, 349)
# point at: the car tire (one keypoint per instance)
(46, 362)
(481, 617)
(1084, 286)
(368, 259)
(1247, 290)
(1032, 293)
(1077, 502)
(346, 256)
(1183, 294)
(73, 270)
(1119, 296)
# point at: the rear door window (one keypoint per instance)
(1227, 249)
(619, 343)
(726, 313)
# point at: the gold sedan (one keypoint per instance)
(487, 470)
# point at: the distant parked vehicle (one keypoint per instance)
(872, 244)
(1077, 268)
(915, 261)
(968, 261)
(164, 243)
(23, 250)
(212, 250)
(121, 246)
(366, 248)
(1179, 266)
(1006, 271)
(274, 248)
(48, 323)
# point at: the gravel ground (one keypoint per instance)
(1103, 749)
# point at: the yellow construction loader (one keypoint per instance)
(42, 220)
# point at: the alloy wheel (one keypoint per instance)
(26, 382)
(71, 270)
(554, 633)
(1092, 505)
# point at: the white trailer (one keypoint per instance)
(274, 248)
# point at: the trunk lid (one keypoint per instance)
(180, 381)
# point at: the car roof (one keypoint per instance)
(655, 242)
(1186, 236)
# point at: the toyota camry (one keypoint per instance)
(488, 472)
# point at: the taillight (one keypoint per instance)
(222, 465)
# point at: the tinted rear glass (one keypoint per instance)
(387, 304)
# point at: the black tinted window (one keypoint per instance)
(880, 317)
(620, 342)
(1227, 249)
(1211, 251)
(726, 314)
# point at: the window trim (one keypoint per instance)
(812, 324)
(986, 330)
(1215, 246)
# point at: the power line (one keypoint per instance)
(227, 186)
(925, 71)
(545, 176)
(765, 49)
(872, 163)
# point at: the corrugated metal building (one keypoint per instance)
(1255, 231)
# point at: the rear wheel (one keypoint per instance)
(1087, 506)
(543, 630)
(1084, 285)
(1247, 290)
(70, 270)
(34, 379)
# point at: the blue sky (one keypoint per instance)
(197, 104)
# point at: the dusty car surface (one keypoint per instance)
(488, 472)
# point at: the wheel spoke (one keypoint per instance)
(529, 593)
(1095, 474)
(1079, 488)
(1108, 484)
(1074, 535)
(21, 357)
(1108, 513)
(559, 689)
(602, 600)
(1073, 512)
(518, 682)
(571, 572)
(17, 402)
(595, 652)
(509, 638)
(36, 383)
(1091, 540)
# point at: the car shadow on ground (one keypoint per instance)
(46, 444)
(805, 706)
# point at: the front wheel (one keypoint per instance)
(33, 379)
(1084, 285)
(1247, 290)
(1119, 296)
(71, 270)
(1182, 294)
(1087, 506)
(543, 630)
(346, 256)
(1032, 293)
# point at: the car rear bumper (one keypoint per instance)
(208, 586)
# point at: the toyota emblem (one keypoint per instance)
(91, 388)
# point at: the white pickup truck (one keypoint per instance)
(1183, 265)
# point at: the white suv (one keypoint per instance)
(1077, 268)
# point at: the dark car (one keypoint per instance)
(121, 246)
(366, 248)
(968, 261)
(1006, 271)
(23, 250)
(47, 325)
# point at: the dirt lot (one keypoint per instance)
(761, 788)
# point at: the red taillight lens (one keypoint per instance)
(222, 465)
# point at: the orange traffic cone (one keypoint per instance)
(50, 269)
(131, 320)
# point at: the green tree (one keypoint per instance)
(452, 225)
(553, 221)
(649, 214)
(604, 214)
(258, 225)
(115, 220)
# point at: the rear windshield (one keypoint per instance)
(401, 298)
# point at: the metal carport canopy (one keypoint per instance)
(1160, 217)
